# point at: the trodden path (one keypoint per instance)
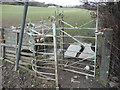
(71, 80)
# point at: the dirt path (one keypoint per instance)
(24, 79)
(79, 81)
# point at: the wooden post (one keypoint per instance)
(0, 60)
(99, 46)
(2, 47)
(17, 38)
(17, 41)
(106, 51)
(0, 44)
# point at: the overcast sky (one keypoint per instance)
(61, 2)
(71, 2)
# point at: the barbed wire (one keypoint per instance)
(108, 41)
(114, 62)
(113, 45)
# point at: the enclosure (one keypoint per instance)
(51, 47)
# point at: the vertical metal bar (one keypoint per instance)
(62, 40)
(96, 41)
(21, 35)
(55, 53)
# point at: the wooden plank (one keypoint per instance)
(22, 67)
(12, 38)
(14, 46)
(22, 53)
(22, 57)
(10, 55)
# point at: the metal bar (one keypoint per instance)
(42, 72)
(45, 53)
(21, 35)
(77, 62)
(62, 40)
(35, 31)
(45, 77)
(86, 64)
(96, 39)
(40, 35)
(73, 43)
(68, 28)
(67, 24)
(81, 37)
(72, 37)
(43, 67)
(87, 23)
(45, 44)
(39, 26)
(77, 28)
(79, 72)
(55, 53)
(76, 51)
(80, 68)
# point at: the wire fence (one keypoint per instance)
(114, 66)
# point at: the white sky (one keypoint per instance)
(70, 2)
(61, 2)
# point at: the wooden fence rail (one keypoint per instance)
(9, 46)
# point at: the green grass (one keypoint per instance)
(12, 15)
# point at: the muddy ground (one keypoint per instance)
(24, 79)
(72, 80)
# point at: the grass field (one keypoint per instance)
(11, 15)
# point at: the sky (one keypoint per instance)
(61, 2)
(70, 2)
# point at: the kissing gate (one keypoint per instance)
(58, 45)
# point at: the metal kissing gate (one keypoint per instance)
(54, 48)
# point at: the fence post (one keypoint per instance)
(55, 54)
(2, 47)
(62, 40)
(0, 44)
(100, 40)
(105, 62)
(21, 36)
